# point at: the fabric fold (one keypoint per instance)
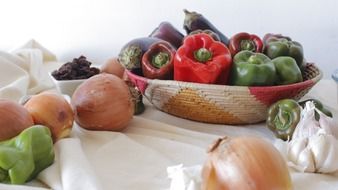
(22, 71)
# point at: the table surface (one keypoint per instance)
(137, 158)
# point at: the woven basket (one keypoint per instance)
(221, 104)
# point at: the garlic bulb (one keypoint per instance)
(314, 144)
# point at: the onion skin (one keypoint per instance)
(103, 102)
(245, 163)
(53, 111)
(14, 118)
(113, 66)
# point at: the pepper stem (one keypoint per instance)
(248, 45)
(254, 59)
(203, 55)
(160, 59)
(283, 120)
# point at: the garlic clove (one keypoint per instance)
(325, 150)
(320, 149)
(328, 124)
(306, 161)
(295, 147)
(307, 126)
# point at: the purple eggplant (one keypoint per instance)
(169, 33)
(196, 21)
(131, 54)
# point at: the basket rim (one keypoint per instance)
(238, 88)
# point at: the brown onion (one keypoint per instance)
(14, 118)
(245, 163)
(103, 102)
(53, 111)
(113, 66)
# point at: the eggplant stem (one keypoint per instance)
(131, 57)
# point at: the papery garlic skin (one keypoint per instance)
(307, 125)
(300, 156)
(325, 152)
(328, 124)
(314, 144)
(185, 178)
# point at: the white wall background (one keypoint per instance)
(99, 28)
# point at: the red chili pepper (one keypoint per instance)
(245, 41)
(157, 61)
(201, 59)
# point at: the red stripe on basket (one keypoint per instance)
(140, 82)
(271, 94)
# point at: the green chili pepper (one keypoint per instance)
(24, 156)
(283, 117)
(319, 106)
(252, 69)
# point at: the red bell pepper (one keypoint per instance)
(245, 41)
(201, 59)
(157, 61)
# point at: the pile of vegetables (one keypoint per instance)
(206, 55)
(284, 116)
(309, 132)
(27, 133)
(28, 130)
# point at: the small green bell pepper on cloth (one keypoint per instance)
(283, 117)
(252, 69)
(288, 71)
(201, 59)
(23, 157)
(276, 47)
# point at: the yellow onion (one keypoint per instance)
(245, 163)
(113, 66)
(103, 102)
(53, 111)
(14, 118)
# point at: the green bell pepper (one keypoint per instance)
(24, 156)
(252, 69)
(283, 117)
(319, 106)
(287, 70)
(276, 47)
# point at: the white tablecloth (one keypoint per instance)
(137, 158)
